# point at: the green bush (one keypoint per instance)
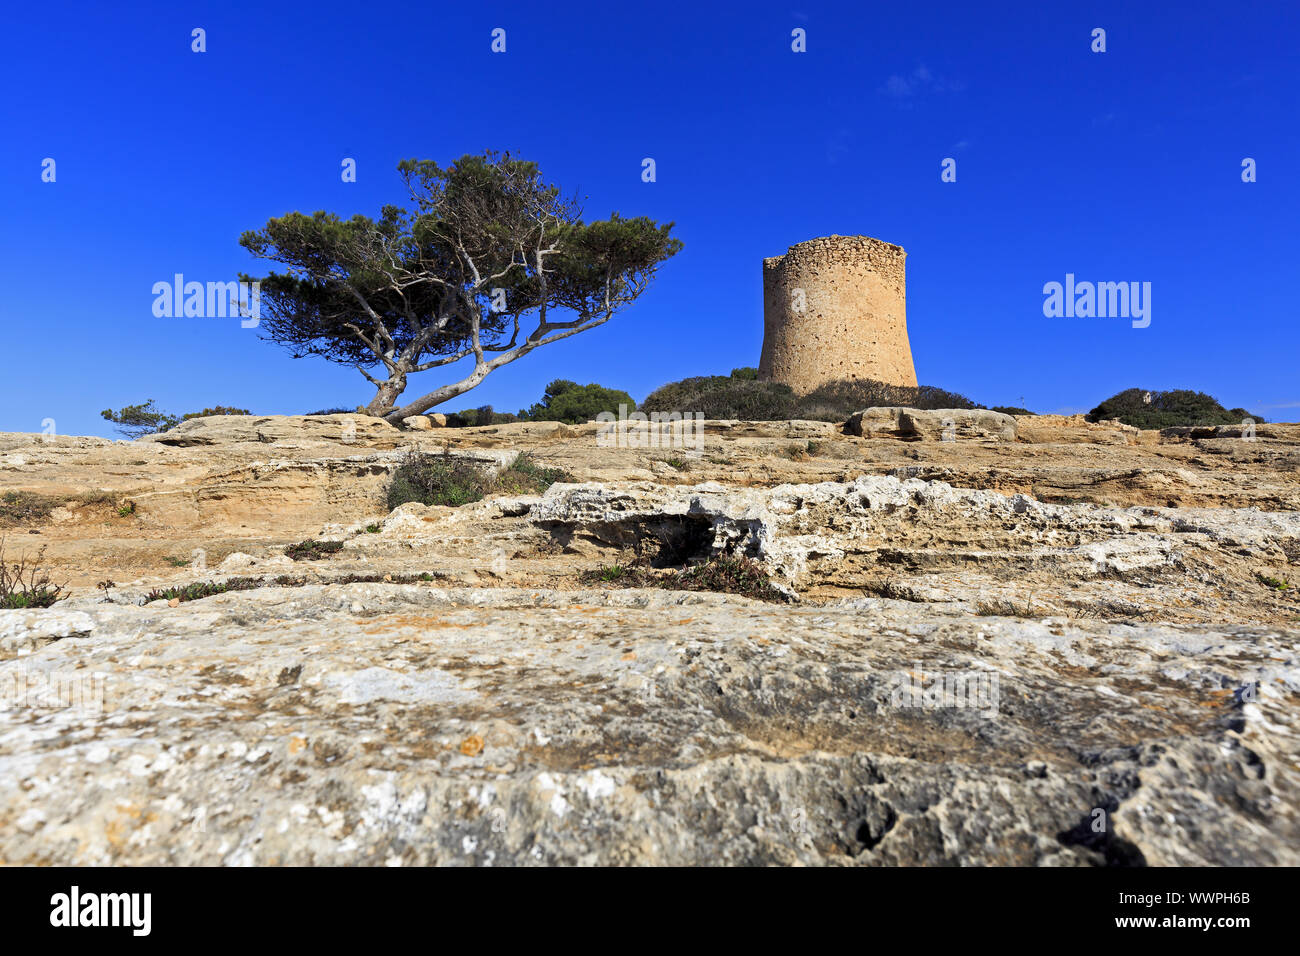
(312, 550)
(435, 480)
(444, 479)
(836, 401)
(744, 397)
(219, 410)
(1011, 410)
(525, 477)
(1167, 409)
(474, 417)
(574, 404)
(20, 507)
(723, 397)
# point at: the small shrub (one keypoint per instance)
(331, 411)
(24, 584)
(723, 397)
(742, 396)
(476, 417)
(372, 529)
(1275, 583)
(1167, 409)
(22, 507)
(310, 550)
(525, 477)
(1004, 608)
(442, 479)
(606, 574)
(218, 410)
(1011, 410)
(202, 589)
(836, 401)
(569, 402)
(730, 575)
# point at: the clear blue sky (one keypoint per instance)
(1122, 166)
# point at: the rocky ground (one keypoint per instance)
(1030, 641)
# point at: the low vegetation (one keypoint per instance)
(573, 404)
(29, 507)
(446, 479)
(741, 395)
(135, 421)
(310, 550)
(724, 574)
(25, 507)
(1142, 408)
(25, 584)
(474, 417)
(203, 589)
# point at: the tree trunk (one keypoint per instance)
(438, 396)
(386, 396)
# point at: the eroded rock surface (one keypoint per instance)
(992, 652)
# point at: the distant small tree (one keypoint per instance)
(218, 410)
(569, 402)
(485, 245)
(133, 421)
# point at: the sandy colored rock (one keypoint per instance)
(940, 424)
(281, 430)
(836, 308)
(983, 643)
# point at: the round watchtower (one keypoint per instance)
(836, 308)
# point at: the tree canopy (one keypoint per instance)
(487, 261)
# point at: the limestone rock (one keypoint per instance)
(293, 430)
(420, 423)
(374, 724)
(986, 642)
(941, 424)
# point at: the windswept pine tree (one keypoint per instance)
(487, 261)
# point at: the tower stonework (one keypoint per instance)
(836, 308)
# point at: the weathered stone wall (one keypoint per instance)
(836, 308)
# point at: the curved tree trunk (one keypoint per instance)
(386, 395)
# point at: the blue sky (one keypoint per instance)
(1122, 166)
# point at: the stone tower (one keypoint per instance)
(836, 308)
